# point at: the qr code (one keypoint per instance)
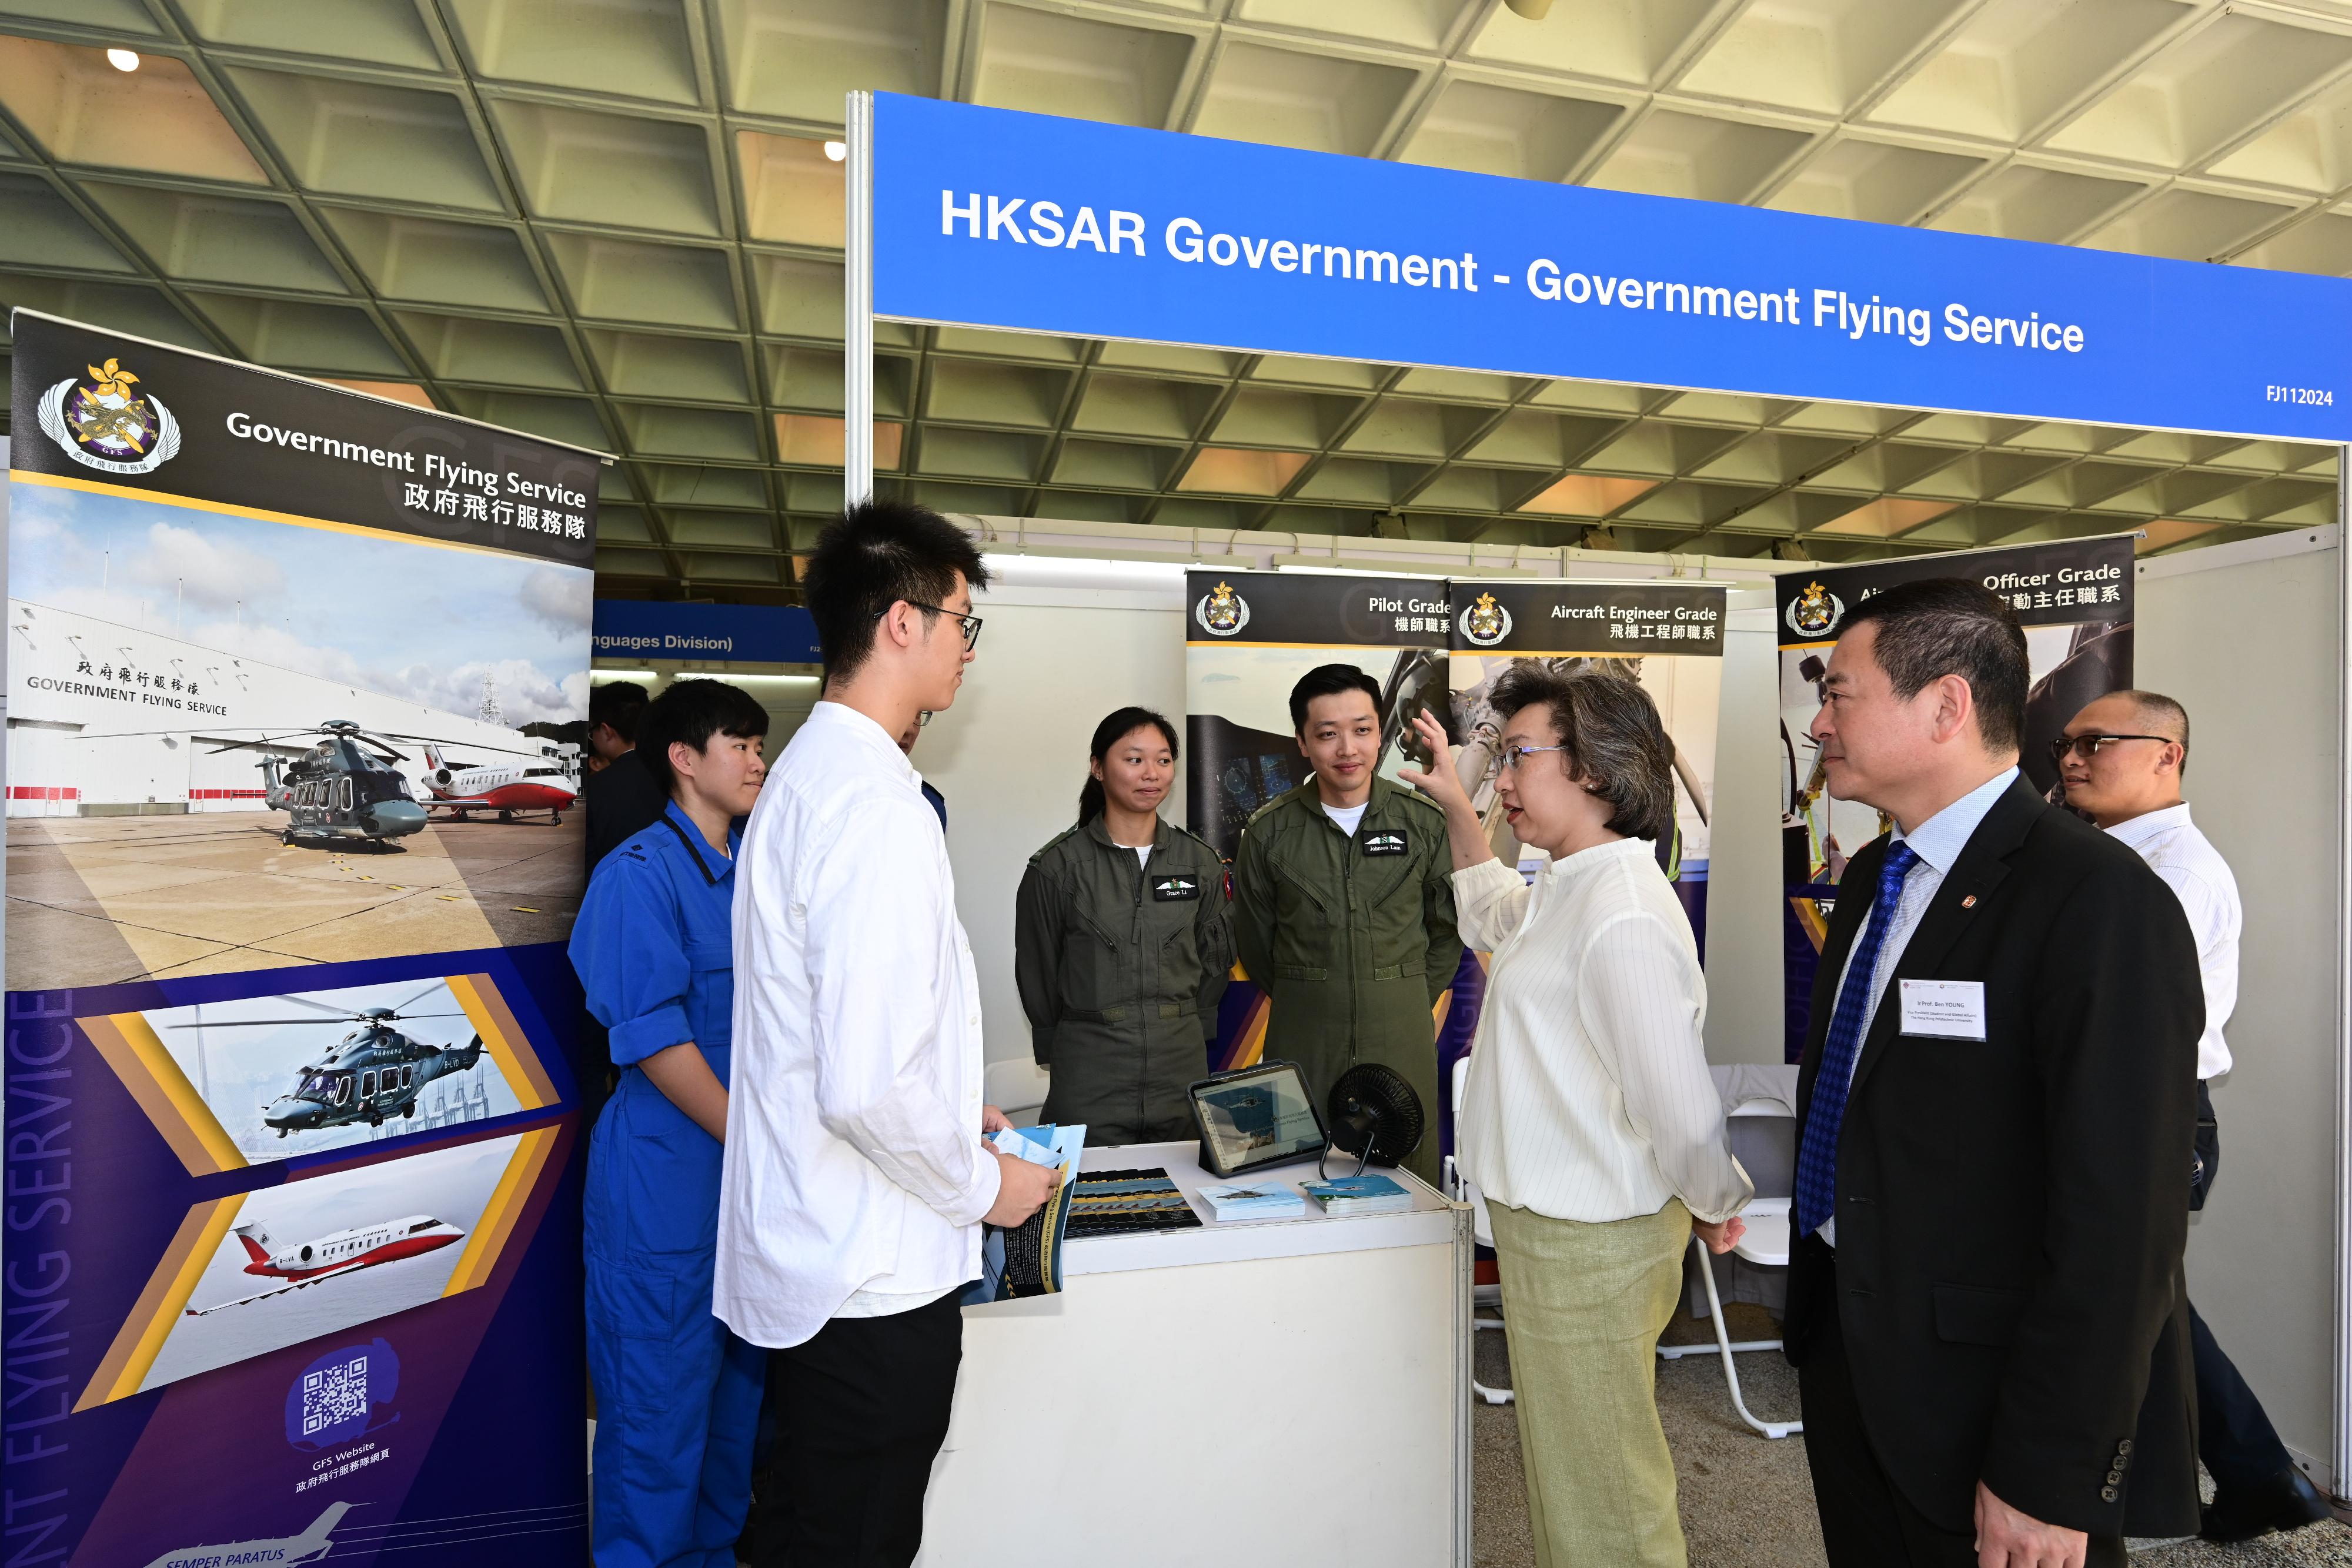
(333, 1395)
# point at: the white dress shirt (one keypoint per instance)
(1937, 843)
(854, 1179)
(2200, 879)
(1589, 1096)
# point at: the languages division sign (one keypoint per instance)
(290, 867)
(2075, 601)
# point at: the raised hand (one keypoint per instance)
(1439, 782)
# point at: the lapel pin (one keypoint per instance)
(1969, 902)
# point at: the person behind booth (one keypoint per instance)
(1995, 1113)
(1590, 1121)
(2123, 758)
(1343, 907)
(620, 794)
(677, 1396)
(1121, 941)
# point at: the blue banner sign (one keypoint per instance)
(732, 634)
(993, 218)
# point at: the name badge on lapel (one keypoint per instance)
(1385, 841)
(1947, 1009)
(1167, 889)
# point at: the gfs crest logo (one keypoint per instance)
(1221, 611)
(105, 422)
(1813, 612)
(1485, 622)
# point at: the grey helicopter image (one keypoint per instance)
(345, 790)
(377, 1072)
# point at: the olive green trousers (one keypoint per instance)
(1583, 1305)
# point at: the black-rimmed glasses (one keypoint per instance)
(2086, 746)
(968, 624)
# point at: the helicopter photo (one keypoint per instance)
(344, 790)
(375, 1073)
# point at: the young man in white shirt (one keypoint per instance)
(855, 1177)
(2122, 759)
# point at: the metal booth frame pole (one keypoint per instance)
(858, 304)
(2340, 1460)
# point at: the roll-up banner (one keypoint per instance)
(2075, 601)
(291, 858)
(1249, 636)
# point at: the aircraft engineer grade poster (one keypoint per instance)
(291, 1238)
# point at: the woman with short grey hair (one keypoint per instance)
(1590, 1121)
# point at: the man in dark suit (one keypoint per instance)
(1995, 1113)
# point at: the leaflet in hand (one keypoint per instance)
(1026, 1259)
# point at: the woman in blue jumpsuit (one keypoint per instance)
(677, 1396)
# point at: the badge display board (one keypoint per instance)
(291, 859)
(2074, 599)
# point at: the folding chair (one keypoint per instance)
(1462, 1190)
(1763, 1131)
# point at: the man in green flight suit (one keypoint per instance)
(1343, 905)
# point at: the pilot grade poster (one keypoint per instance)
(294, 681)
(1249, 636)
(2074, 599)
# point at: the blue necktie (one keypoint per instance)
(1817, 1160)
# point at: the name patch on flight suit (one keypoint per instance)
(1166, 889)
(1386, 841)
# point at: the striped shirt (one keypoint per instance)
(1589, 1096)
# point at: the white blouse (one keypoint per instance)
(1589, 1096)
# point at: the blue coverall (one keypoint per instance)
(677, 1395)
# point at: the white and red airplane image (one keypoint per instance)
(505, 788)
(342, 1252)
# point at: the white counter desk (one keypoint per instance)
(1285, 1391)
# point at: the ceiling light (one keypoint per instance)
(1533, 10)
(123, 59)
(837, 150)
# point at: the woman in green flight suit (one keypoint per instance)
(1121, 942)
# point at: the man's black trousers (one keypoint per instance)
(860, 1413)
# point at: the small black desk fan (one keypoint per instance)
(1373, 1114)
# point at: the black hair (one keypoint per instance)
(1329, 681)
(1943, 627)
(1116, 727)
(619, 705)
(874, 555)
(1617, 745)
(692, 712)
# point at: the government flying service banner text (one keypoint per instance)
(2075, 601)
(295, 683)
